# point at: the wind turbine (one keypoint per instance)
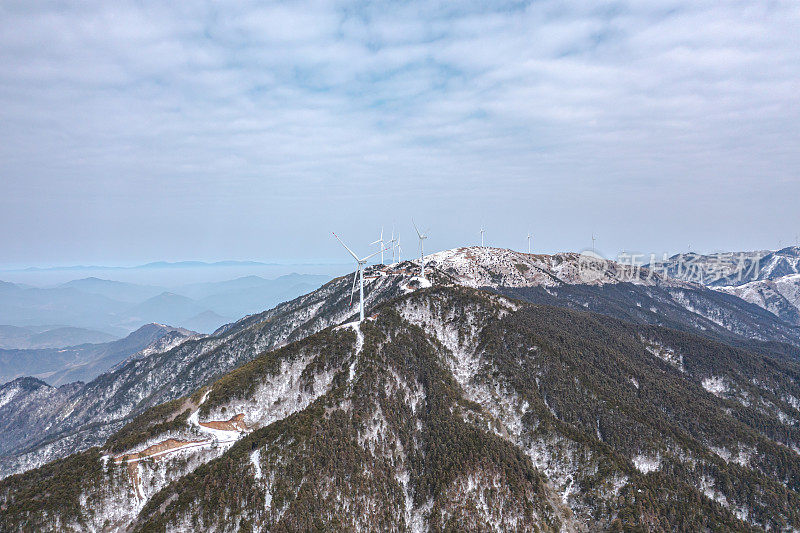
(422, 238)
(379, 242)
(529, 242)
(358, 274)
(396, 246)
(593, 239)
(391, 242)
(482, 230)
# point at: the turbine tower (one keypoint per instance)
(593, 239)
(529, 242)
(379, 242)
(359, 274)
(482, 230)
(391, 242)
(422, 237)
(395, 246)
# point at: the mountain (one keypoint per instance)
(206, 322)
(79, 363)
(62, 305)
(768, 279)
(86, 416)
(780, 297)
(49, 336)
(638, 295)
(68, 336)
(115, 290)
(14, 337)
(153, 265)
(166, 307)
(118, 308)
(450, 408)
(102, 405)
(199, 291)
(771, 266)
(251, 294)
(706, 269)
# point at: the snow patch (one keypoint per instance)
(715, 385)
(255, 460)
(665, 353)
(646, 464)
(8, 395)
(707, 487)
(742, 457)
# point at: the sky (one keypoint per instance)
(143, 131)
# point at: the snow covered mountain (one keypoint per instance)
(771, 266)
(86, 416)
(635, 294)
(450, 408)
(58, 366)
(768, 279)
(477, 266)
(461, 403)
(53, 424)
(780, 296)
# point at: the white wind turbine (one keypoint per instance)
(379, 242)
(359, 274)
(394, 243)
(395, 246)
(422, 237)
(399, 248)
(529, 241)
(482, 230)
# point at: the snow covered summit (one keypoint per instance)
(477, 266)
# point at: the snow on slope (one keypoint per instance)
(457, 324)
(493, 267)
(780, 296)
(105, 404)
(459, 331)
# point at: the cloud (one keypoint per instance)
(128, 108)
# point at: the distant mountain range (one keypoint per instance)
(58, 366)
(155, 264)
(117, 308)
(33, 337)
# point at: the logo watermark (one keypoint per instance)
(733, 267)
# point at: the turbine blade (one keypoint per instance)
(373, 255)
(348, 249)
(416, 228)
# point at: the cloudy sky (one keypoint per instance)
(138, 131)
